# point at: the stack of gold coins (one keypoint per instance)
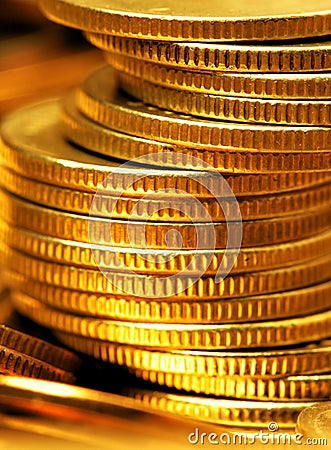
(203, 263)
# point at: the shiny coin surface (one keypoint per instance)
(204, 337)
(217, 57)
(227, 160)
(39, 349)
(164, 262)
(266, 111)
(142, 235)
(132, 117)
(33, 150)
(119, 307)
(15, 363)
(221, 411)
(293, 388)
(315, 422)
(303, 359)
(303, 86)
(219, 21)
(184, 285)
(163, 206)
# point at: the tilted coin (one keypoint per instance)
(235, 109)
(220, 21)
(241, 169)
(303, 86)
(132, 117)
(293, 388)
(166, 261)
(315, 422)
(32, 146)
(205, 337)
(279, 57)
(221, 411)
(120, 233)
(39, 349)
(303, 359)
(184, 285)
(120, 307)
(15, 363)
(88, 134)
(242, 162)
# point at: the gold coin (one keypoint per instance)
(162, 207)
(35, 348)
(205, 337)
(221, 411)
(237, 84)
(293, 388)
(184, 285)
(88, 134)
(132, 234)
(243, 309)
(220, 21)
(32, 146)
(253, 57)
(130, 116)
(304, 359)
(15, 363)
(165, 262)
(235, 109)
(315, 422)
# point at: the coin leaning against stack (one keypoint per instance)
(229, 147)
(23, 354)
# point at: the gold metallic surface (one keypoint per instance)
(99, 139)
(267, 363)
(211, 20)
(217, 57)
(32, 146)
(152, 294)
(236, 109)
(81, 419)
(295, 86)
(163, 207)
(15, 363)
(75, 227)
(242, 309)
(222, 411)
(289, 389)
(163, 262)
(185, 285)
(230, 336)
(222, 150)
(315, 422)
(97, 101)
(38, 349)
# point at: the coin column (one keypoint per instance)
(229, 148)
